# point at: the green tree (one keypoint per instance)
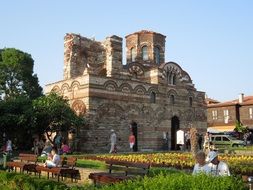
(16, 74)
(52, 113)
(240, 129)
(15, 120)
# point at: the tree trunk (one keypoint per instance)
(49, 137)
(194, 141)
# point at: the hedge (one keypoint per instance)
(166, 180)
(14, 181)
(180, 181)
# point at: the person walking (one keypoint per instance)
(9, 146)
(58, 141)
(188, 141)
(131, 140)
(245, 137)
(200, 139)
(113, 139)
(251, 138)
(36, 146)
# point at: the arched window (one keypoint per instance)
(133, 54)
(190, 101)
(157, 55)
(152, 97)
(173, 79)
(168, 77)
(144, 52)
(172, 99)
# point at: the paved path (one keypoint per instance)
(85, 172)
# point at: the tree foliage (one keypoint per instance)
(240, 128)
(16, 74)
(15, 120)
(24, 111)
(52, 113)
(21, 118)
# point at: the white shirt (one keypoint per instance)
(219, 170)
(9, 145)
(113, 138)
(207, 139)
(201, 169)
(56, 159)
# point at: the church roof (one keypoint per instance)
(146, 32)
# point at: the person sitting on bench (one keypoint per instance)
(65, 149)
(53, 160)
(47, 149)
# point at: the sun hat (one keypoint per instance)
(211, 155)
(112, 130)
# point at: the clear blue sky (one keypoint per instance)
(212, 39)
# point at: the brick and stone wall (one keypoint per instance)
(145, 38)
(220, 113)
(245, 115)
(113, 96)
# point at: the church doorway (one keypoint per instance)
(134, 129)
(174, 129)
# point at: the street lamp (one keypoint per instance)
(250, 180)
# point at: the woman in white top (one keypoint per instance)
(201, 166)
(53, 161)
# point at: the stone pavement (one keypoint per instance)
(84, 175)
(85, 172)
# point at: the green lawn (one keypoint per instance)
(91, 164)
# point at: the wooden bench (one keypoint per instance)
(119, 171)
(27, 163)
(67, 168)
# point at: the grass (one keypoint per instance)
(247, 148)
(83, 163)
(232, 150)
(93, 164)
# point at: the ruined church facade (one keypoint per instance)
(147, 95)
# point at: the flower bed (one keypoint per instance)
(237, 164)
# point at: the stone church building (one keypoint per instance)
(147, 95)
